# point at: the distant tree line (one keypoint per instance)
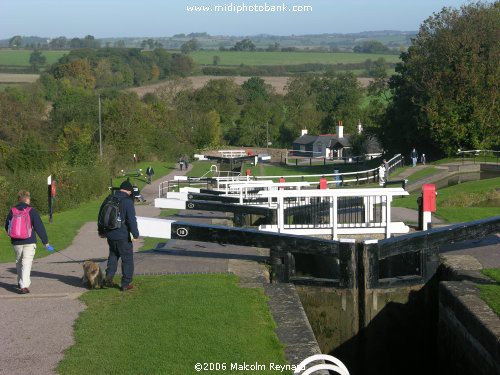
(393, 42)
(120, 67)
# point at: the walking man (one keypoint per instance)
(22, 222)
(117, 223)
(414, 157)
(423, 159)
(150, 172)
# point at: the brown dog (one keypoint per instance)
(92, 275)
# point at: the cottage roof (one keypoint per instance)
(305, 139)
(328, 139)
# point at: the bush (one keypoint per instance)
(74, 186)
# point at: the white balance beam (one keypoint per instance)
(173, 203)
(153, 227)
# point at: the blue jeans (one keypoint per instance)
(125, 250)
(414, 160)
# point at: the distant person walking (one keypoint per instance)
(181, 164)
(386, 167)
(185, 159)
(414, 157)
(117, 223)
(149, 173)
(22, 222)
(423, 159)
(381, 174)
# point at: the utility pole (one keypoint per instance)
(100, 129)
(267, 135)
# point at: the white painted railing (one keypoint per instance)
(317, 212)
(344, 178)
(232, 153)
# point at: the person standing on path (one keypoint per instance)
(150, 172)
(121, 237)
(386, 167)
(423, 159)
(414, 157)
(381, 174)
(22, 222)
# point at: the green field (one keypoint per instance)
(228, 58)
(22, 57)
(167, 324)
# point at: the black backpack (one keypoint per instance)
(109, 214)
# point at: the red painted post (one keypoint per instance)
(323, 184)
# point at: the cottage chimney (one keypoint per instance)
(360, 127)
(303, 132)
(340, 130)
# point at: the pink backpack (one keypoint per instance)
(20, 225)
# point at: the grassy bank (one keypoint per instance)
(464, 202)
(491, 293)
(161, 169)
(167, 324)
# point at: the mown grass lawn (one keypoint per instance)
(61, 231)
(463, 202)
(491, 293)
(150, 243)
(422, 173)
(201, 168)
(167, 324)
(415, 176)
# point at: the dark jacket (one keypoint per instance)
(414, 154)
(129, 221)
(150, 171)
(36, 223)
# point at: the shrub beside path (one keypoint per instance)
(36, 328)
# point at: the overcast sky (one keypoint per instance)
(122, 18)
